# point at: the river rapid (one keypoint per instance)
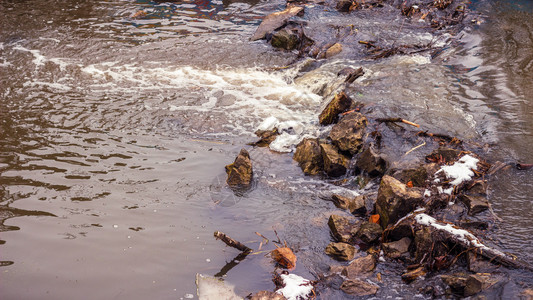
(118, 117)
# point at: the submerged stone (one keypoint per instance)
(475, 204)
(334, 50)
(240, 173)
(414, 274)
(285, 39)
(349, 132)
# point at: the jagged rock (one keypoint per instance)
(341, 251)
(476, 283)
(395, 200)
(457, 282)
(266, 295)
(337, 105)
(371, 163)
(478, 264)
(355, 205)
(240, 173)
(334, 50)
(266, 137)
(396, 249)
(348, 134)
(344, 5)
(400, 230)
(369, 232)
(341, 201)
(335, 163)
(285, 38)
(414, 274)
(308, 154)
(360, 267)
(275, 21)
(478, 188)
(475, 204)
(417, 176)
(342, 228)
(358, 287)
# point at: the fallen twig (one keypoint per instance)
(421, 145)
(397, 120)
(524, 166)
(231, 242)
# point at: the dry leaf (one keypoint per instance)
(410, 184)
(374, 219)
(284, 257)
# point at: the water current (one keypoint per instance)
(118, 117)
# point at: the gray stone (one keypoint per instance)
(358, 287)
(275, 21)
(397, 248)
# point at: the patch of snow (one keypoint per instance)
(269, 123)
(461, 170)
(296, 287)
(448, 191)
(427, 193)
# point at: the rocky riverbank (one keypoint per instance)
(430, 208)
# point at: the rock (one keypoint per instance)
(275, 21)
(334, 50)
(360, 267)
(344, 5)
(240, 173)
(478, 188)
(285, 38)
(475, 204)
(348, 134)
(342, 228)
(371, 163)
(400, 230)
(266, 137)
(476, 283)
(354, 205)
(414, 274)
(358, 287)
(395, 200)
(396, 249)
(351, 73)
(448, 155)
(335, 163)
(341, 251)
(209, 287)
(369, 232)
(417, 176)
(339, 104)
(478, 264)
(425, 244)
(527, 294)
(456, 282)
(266, 295)
(308, 154)
(340, 201)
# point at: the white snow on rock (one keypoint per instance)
(461, 170)
(296, 287)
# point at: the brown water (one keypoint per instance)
(114, 133)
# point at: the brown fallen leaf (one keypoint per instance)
(374, 219)
(284, 257)
(409, 184)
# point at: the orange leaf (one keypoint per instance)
(374, 219)
(410, 184)
(284, 257)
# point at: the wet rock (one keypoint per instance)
(370, 162)
(334, 50)
(414, 274)
(266, 137)
(478, 264)
(478, 188)
(340, 103)
(457, 282)
(342, 228)
(476, 283)
(308, 154)
(355, 205)
(475, 204)
(348, 134)
(274, 21)
(344, 5)
(335, 163)
(417, 176)
(477, 225)
(423, 243)
(341, 251)
(240, 173)
(341, 201)
(396, 249)
(527, 294)
(446, 154)
(351, 73)
(369, 232)
(359, 287)
(266, 295)
(395, 200)
(360, 267)
(285, 38)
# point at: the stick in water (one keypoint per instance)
(231, 242)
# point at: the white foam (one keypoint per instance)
(296, 287)
(38, 60)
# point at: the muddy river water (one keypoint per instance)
(115, 130)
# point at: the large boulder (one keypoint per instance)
(371, 162)
(358, 287)
(240, 172)
(343, 228)
(360, 267)
(341, 251)
(274, 21)
(395, 200)
(335, 163)
(308, 154)
(340, 103)
(349, 132)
